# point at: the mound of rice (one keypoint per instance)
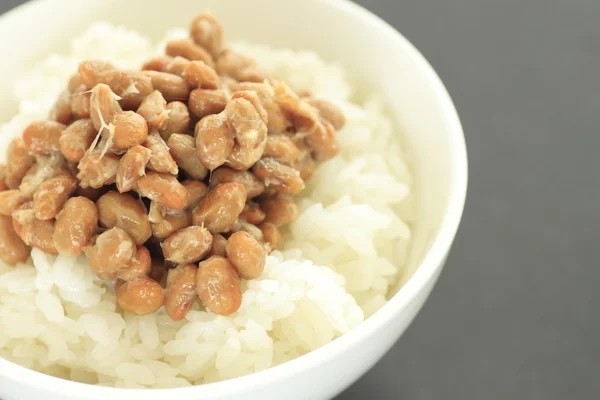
(342, 254)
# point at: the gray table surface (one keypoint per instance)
(515, 313)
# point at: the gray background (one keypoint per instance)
(515, 314)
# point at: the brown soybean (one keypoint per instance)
(281, 148)
(157, 63)
(176, 65)
(242, 158)
(131, 86)
(41, 137)
(154, 110)
(112, 251)
(214, 141)
(156, 212)
(254, 186)
(277, 121)
(280, 177)
(75, 82)
(246, 254)
(171, 86)
(303, 116)
(254, 73)
(51, 195)
(3, 186)
(221, 207)
(81, 102)
(328, 111)
(163, 188)
(97, 170)
(140, 296)
(130, 130)
(125, 212)
(199, 75)
(196, 191)
(218, 286)
(39, 234)
(246, 122)
(169, 224)
(12, 249)
(188, 245)
(243, 226)
(232, 64)
(10, 200)
(219, 246)
(61, 110)
(279, 210)
(178, 121)
(252, 213)
(180, 292)
(253, 98)
(46, 167)
(75, 226)
(322, 139)
(140, 265)
(186, 48)
(76, 139)
(132, 167)
(183, 151)
(271, 235)
(89, 71)
(19, 161)
(204, 102)
(207, 32)
(161, 159)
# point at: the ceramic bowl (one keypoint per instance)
(377, 57)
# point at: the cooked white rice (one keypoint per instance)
(343, 252)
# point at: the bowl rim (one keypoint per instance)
(426, 271)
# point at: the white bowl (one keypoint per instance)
(373, 52)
